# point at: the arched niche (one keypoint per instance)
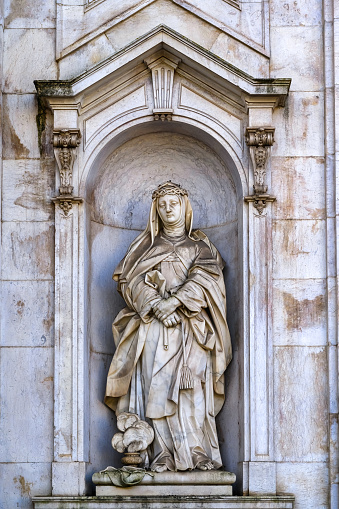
(118, 196)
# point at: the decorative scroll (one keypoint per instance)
(259, 140)
(162, 66)
(65, 143)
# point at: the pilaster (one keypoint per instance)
(261, 468)
(70, 399)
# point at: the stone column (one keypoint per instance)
(70, 396)
(259, 444)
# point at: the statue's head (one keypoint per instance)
(170, 201)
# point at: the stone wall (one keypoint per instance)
(46, 40)
(27, 256)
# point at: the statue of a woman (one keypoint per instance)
(172, 339)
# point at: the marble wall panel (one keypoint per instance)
(29, 13)
(31, 51)
(21, 481)
(298, 185)
(308, 482)
(26, 420)
(109, 246)
(102, 418)
(295, 13)
(298, 49)
(27, 250)
(20, 133)
(299, 312)
(298, 249)
(86, 56)
(300, 400)
(27, 313)
(300, 126)
(27, 188)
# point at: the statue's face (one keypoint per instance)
(169, 208)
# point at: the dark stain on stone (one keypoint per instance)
(20, 307)
(12, 141)
(304, 313)
(25, 487)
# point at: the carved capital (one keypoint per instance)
(65, 202)
(65, 143)
(259, 141)
(162, 66)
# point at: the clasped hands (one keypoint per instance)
(165, 311)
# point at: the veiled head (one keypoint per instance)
(170, 200)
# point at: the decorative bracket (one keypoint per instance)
(65, 142)
(162, 65)
(66, 202)
(259, 140)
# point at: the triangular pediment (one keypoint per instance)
(194, 60)
(86, 36)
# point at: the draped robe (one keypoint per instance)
(144, 376)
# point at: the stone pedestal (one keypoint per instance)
(170, 483)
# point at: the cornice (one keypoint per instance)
(189, 52)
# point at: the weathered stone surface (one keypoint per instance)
(27, 250)
(298, 249)
(20, 139)
(298, 185)
(26, 421)
(300, 404)
(28, 186)
(27, 313)
(21, 481)
(29, 13)
(296, 13)
(302, 56)
(299, 125)
(38, 62)
(299, 312)
(307, 481)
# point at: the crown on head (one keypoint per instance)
(169, 187)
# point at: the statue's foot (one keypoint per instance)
(205, 465)
(159, 468)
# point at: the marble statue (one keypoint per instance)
(172, 340)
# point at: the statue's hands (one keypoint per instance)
(166, 307)
(172, 320)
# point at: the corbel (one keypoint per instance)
(259, 141)
(65, 143)
(162, 65)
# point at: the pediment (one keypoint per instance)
(88, 34)
(129, 64)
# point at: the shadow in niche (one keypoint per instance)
(120, 200)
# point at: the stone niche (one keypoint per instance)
(114, 143)
(120, 197)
